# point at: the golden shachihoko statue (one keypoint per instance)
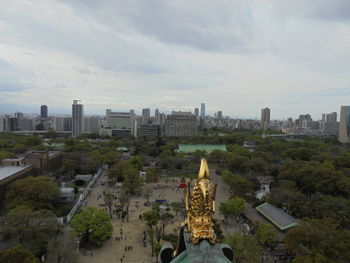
(200, 207)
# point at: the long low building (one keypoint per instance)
(277, 216)
(208, 148)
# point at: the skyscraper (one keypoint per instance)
(43, 111)
(77, 118)
(265, 118)
(219, 115)
(146, 114)
(344, 125)
(202, 110)
(157, 115)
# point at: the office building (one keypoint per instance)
(91, 124)
(180, 124)
(202, 110)
(265, 118)
(157, 115)
(62, 124)
(149, 130)
(77, 118)
(43, 111)
(146, 114)
(219, 115)
(119, 124)
(344, 125)
(331, 117)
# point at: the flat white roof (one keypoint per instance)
(6, 171)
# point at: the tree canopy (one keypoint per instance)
(32, 229)
(35, 192)
(17, 254)
(232, 207)
(93, 225)
(245, 248)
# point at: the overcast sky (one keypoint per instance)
(236, 56)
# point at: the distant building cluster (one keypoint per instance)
(177, 123)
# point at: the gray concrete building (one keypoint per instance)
(202, 110)
(344, 125)
(77, 118)
(265, 118)
(44, 111)
(180, 124)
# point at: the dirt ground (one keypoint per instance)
(113, 251)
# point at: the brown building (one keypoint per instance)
(34, 163)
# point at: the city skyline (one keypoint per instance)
(236, 56)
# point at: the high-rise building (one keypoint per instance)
(77, 118)
(265, 118)
(62, 124)
(157, 115)
(146, 114)
(344, 125)
(331, 117)
(180, 124)
(91, 124)
(196, 112)
(203, 110)
(219, 115)
(43, 111)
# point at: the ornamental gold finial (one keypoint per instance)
(200, 207)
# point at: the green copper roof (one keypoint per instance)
(201, 253)
(55, 145)
(191, 148)
(277, 216)
(122, 149)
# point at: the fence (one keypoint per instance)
(81, 201)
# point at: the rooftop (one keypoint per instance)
(6, 171)
(277, 216)
(191, 148)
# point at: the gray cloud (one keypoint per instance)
(236, 55)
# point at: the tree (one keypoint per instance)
(32, 229)
(240, 185)
(36, 192)
(118, 171)
(151, 218)
(62, 249)
(93, 225)
(245, 248)
(232, 207)
(5, 155)
(136, 162)
(266, 235)
(109, 198)
(17, 254)
(157, 248)
(132, 181)
(151, 175)
(166, 218)
(319, 240)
